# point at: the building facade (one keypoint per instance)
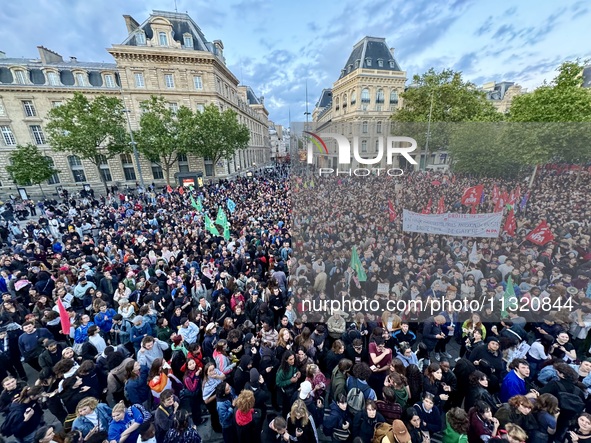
(501, 94)
(361, 102)
(167, 55)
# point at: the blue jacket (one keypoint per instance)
(137, 334)
(137, 390)
(105, 325)
(84, 425)
(118, 427)
(226, 412)
(81, 333)
(512, 385)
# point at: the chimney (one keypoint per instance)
(48, 56)
(73, 59)
(131, 24)
(392, 51)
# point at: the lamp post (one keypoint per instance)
(135, 153)
(428, 131)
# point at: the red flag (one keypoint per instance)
(427, 209)
(64, 317)
(473, 209)
(441, 206)
(495, 194)
(472, 195)
(541, 234)
(510, 224)
(182, 190)
(391, 211)
(168, 189)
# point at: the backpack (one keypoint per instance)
(145, 413)
(356, 399)
(569, 401)
(383, 430)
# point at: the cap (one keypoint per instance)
(305, 389)
(400, 432)
(138, 319)
(209, 327)
(488, 340)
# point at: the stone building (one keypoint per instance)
(167, 55)
(501, 94)
(361, 101)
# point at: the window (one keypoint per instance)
(80, 79)
(364, 127)
(379, 127)
(128, 169)
(19, 77)
(163, 39)
(200, 107)
(377, 145)
(139, 80)
(188, 41)
(169, 81)
(8, 136)
(391, 63)
(183, 163)
(54, 179)
(174, 107)
(140, 38)
(365, 96)
(53, 79)
(380, 63)
(157, 171)
(208, 167)
(56, 103)
(337, 107)
(368, 61)
(198, 82)
(363, 145)
(2, 110)
(344, 103)
(356, 64)
(350, 128)
(76, 168)
(353, 98)
(38, 136)
(393, 98)
(104, 168)
(380, 96)
(29, 108)
(109, 81)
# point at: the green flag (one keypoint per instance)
(509, 299)
(221, 218)
(209, 226)
(356, 265)
(227, 232)
(194, 204)
(199, 205)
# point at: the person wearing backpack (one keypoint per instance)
(337, 424)
(392, 433)
(358, 391)
(571, 398)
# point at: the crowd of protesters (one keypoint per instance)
(173, 327)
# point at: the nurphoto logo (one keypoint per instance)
(395, 145)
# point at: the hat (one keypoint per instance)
(209, 327)
(137, 319)
(572, 290)
(158, 271)
(540, 264)
(305, 389)
(254, 377)
(400, 432)
(488, 340)
(50, 343)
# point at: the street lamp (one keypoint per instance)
(428, 131)
(134, 146)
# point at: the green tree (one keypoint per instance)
(218, 135)
(91, 129)
(28, 166)
(165, 134)
(447, 98)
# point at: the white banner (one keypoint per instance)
(460, 225)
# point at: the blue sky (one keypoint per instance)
(276, 45)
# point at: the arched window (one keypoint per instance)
(336, 102)
(353, 98)
(393, 98)
(379, 127)
(363, 145)
(380, 96)
(364, 127)
(344, 102)
(365, 96)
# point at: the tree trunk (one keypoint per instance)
(167, 174)
(42, 191)
(102, 177)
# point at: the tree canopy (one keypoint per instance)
(218, 135)
(28, 166)
(165, 134)
(94, 130)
